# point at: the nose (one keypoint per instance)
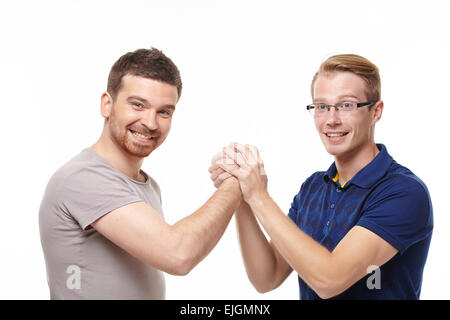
(333, 117)
(149, 120)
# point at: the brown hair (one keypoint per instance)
(357, 65)
(147, 63)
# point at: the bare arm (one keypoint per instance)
(266, 268)
(176, 249)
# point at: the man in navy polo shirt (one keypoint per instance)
(361, 229)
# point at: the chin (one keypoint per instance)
(139, 153)
(138, 150)
(336, 150)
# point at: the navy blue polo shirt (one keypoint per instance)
(384, 197)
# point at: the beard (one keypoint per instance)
(121, 138)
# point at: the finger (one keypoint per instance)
(233, 169)
(253, 156)
(216, 157)
(236, 147)
(256, 156)
(215, 173)
(262, 171)
(242, 149)
(221, 178)
(214, 166)
(234, 156)
(249, 152)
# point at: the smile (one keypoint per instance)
(141, 136)
(335, 137)
(335, 134)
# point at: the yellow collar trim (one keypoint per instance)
(336, 178)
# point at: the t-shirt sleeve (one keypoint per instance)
(399, 211)
(296, 204)
(155, 187)
(89, 193)
(294, 208)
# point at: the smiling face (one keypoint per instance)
(138, 120)
(344, 133)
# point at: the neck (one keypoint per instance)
(127, 164)
(349, 164)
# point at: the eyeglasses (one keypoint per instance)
(321, 108)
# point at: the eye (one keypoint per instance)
(321, 107)
(138, 105)
(347, 105)
(165, 113)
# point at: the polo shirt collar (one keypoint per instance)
(368, 175)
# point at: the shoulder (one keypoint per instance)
(398, 208)
(85, 173)
(400, 199)
(400, 182)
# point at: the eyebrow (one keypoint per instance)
(348, 96)
(146, 102)
(339, 98)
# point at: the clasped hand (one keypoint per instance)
(244, 163)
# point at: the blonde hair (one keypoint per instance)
(357, 65)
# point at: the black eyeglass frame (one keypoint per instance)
(310, 107)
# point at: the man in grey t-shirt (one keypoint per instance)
(101, 223)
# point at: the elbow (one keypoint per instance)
(263, 286)
(179, 258)
(183, 269)
(262, 290)
(325, 293)
(181, 265)
(326, 280)
(326, 289)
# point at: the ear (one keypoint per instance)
(377, 111)
(106, 104)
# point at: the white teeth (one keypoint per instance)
(141, 136)
(335, 134)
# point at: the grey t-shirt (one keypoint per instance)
(81, 263)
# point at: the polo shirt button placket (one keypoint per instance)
(329, 218)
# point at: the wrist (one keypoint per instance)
(258, 199)
(231, 184)
(231, 187)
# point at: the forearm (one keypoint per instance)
(307, 257)
(259, 258)
(200, 232)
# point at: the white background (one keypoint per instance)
(246, 68)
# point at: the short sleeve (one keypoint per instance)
(154, 185)
(91, 192)
(296, 203)
(399, 211)
(293, 209)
